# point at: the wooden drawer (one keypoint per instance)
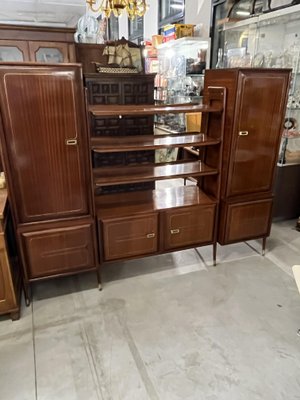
(125, 126)
(245, 221)
(59, 250)
(130, 236)
(188, 226)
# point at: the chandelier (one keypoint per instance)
(134, 8)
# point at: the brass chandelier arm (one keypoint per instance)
(134, 8)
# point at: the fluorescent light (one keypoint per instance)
(244, 13)
(177, 6)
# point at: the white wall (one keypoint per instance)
(151, 20)
(123, 26)
(198, 12)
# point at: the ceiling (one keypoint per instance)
(42, 12)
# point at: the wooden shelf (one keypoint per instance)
(134, 143)
(123, 204)
(107, 110)
(107, 176)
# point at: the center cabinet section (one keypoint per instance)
(136, 217)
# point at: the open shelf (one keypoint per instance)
(149, 142)
(107, 176)
(107, 110)
(122, 204)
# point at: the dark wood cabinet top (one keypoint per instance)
(150, 142)
(107, 110)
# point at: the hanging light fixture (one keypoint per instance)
(134, 8)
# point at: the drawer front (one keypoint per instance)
(188, 226)
(129, 237)
(125, 126)
(105, 92)
(59, 251)
(244, 221)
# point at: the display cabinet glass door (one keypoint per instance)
(47, 52)
(13, 50)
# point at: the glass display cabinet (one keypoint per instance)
(180, 79)
(272, 40)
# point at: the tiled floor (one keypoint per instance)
(170, 327)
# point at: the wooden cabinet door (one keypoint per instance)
(14, 50)
(130, 236)
(49, 52)
(188, 226)
(258, 124)
(60, 250)
(245, 220)
(45, 141)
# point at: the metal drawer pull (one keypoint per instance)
(150, 235)
(243, 133)
(71, 142)
(174, 231)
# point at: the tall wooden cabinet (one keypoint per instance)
(254, 119)
(47, 164)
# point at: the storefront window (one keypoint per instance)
(113, 28)
(136, 30)
(170, 11)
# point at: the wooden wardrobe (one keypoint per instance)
(255, 108)
(47, 165)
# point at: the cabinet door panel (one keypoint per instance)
(129, 237)
(42, 110)
(49, 52)
(58, 251)
(257, 130)
(188, 226)
(245, 221)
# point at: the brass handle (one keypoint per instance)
(71, 142)
(243, 133)
(150, 235)
(174, 231)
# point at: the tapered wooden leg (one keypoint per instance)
(215, 254)
(27, 294)
(99, 279)
(264, 241)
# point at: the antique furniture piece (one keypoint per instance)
(91, 54)
(135, 219)
(47, 166)
(10, 275)
(39, 44)
(272, 40)
(256, 102)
